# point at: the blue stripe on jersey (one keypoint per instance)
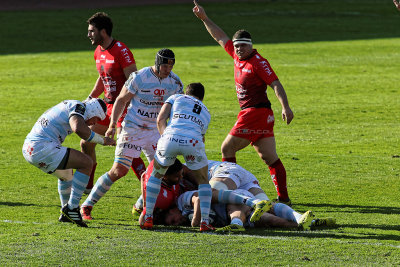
(189, 117)
(150, 94)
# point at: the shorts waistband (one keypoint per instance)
(259, 105)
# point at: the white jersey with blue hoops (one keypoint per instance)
(150, 93)
(53, 125)
(189, 117)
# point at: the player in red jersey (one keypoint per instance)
(114, 62)
(255, 121)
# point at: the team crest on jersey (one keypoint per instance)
(270, 119)
(190, 158)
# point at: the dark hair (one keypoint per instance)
(195, 89)
(101, 20)
(102, 104)
(174, 168)
(241, 34)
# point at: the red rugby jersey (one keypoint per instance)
(252, 76)
(168, 194)
(110, 64)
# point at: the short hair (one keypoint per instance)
(195, 89)
(174, 168)
(241, 34)
(102, 104)
(101, 20)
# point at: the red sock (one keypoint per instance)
(90, 183)
(138, 167)
(278, 176)
(233, 159)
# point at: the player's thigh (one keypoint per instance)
(80, 161)
(220, 183)
(201, 175)
(266, 149)
(234, 143)
(150, 146)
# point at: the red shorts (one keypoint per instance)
(254, 123)
(106, 121)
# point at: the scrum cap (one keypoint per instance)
(164, 56)
(95, 107)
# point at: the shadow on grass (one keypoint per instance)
(352, 208)
(16, 204)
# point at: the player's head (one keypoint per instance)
(95, 107)
(174, 216)
(174, 173)
(97, 23)
(242, 43)
(165, 60)
(196, 90)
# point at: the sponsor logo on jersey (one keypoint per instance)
(194, 142)
(110, 61)
(189, 117)
(131, 146)
(165, 193)
(43, 121)
(126, 55)
(119, 44)
(177, 140)
(270, 118)
(29, 150)
(150, 103)
(102, 56)
(246, 70)
(43, 165)
(159, 92)
(265, 66)
(189, 158)
(147, 114)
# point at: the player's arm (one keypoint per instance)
(79, 126)
(213, 29)
(287, 113)
(129, 69)
(397, 4)
(163, 117)
(97, 89)
(119, 105)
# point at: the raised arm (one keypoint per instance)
(215, 31)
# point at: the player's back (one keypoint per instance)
(189, 117)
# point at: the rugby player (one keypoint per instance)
(43, 149)
(145, 91)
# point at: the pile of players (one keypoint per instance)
(149, 112)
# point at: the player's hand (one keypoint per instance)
(397, 4)
(110, 132)
(109, 141)
(199, 11)
(287, 115)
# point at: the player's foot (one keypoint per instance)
(259, 209)
(324, 222)
(87, 191)
(147, 224)
(306, 221)
(86, 212)
(136, 212)
(283, 201)
(231, 228)
(72, 215)
(204, 227)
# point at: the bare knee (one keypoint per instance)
(117, 171)
(86, 164)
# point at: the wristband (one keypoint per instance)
(95, 138)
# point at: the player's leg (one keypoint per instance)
(64, 184)
(304, 221)
(90, 149)
(231, 145)
(83, 165)
(266, 149)
(238, 215)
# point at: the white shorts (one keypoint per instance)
(240, 176)
(46, 155)
(132, 141)
(192, 150)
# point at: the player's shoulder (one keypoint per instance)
(175, 78)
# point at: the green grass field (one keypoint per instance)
(338, 61)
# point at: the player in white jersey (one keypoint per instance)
(183, 135)
(43, 149)
(145, 91)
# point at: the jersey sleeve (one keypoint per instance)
(263, 69)
(125, 56)
(76, 109)
(229, 48)
(131, 83)
(171, 99)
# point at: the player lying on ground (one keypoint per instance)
(43, 149)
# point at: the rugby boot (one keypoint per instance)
(147, 224)
(205, 227)
(72, 215)
(259, 209)
(231, 228)
(306, 221)
(324, 222)
(86, 212)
